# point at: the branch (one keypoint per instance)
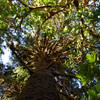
(11, 46)
(34, 8)
(51, 15)
(64, 75)
(92, 30)
(10, 91)
(94, 33)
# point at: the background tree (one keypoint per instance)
(55, 49)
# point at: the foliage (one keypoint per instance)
(20, 74)
(13, 82)
(59, 35)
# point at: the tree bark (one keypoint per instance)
(40, 86)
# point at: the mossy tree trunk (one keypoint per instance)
(40, 86)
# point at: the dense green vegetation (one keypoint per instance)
(55, 38)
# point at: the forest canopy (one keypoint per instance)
(50, 42)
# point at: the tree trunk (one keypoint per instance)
(40, 86)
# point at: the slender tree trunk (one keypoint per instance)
(40, 86)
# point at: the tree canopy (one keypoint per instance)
(60, 36)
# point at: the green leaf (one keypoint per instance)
(91, 58)
(83, 79)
